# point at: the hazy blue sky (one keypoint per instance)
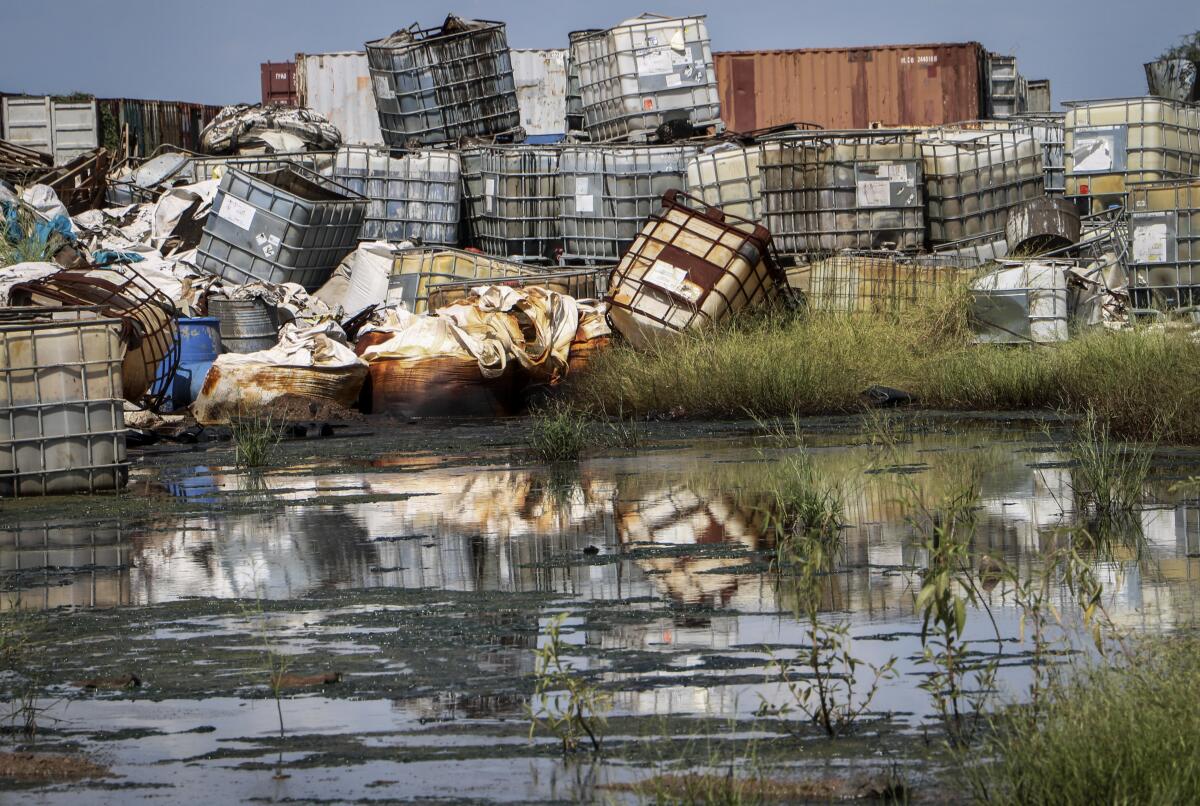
(209, 50)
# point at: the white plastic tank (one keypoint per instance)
(513, 200)
(608, 192)
(645, 72)
(974, 174)
(828, 192)
(412, 197)
(728, 176)
(1115, 142)
(62, 415)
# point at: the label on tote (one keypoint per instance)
(1150, 243)
(236, 212)
(874, 193)
(673, 279)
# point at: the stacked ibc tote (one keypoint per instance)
(1142, 155)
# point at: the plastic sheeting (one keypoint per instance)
(244, 129)
(309, 365)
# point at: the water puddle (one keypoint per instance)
(429, 584)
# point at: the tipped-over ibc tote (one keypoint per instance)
(289, 225)
(647, 72)
(435, 85)
(691, 266)
(62, 412)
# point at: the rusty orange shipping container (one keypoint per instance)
(854, 88)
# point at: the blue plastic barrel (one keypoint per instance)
(200, 344)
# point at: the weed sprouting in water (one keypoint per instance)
(559, 432)
(1108, 477)
(274, 666)
(17, 652)
(255, 437)
(564, 703)
(805, 514)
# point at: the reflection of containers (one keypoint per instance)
(830, 192)
(62, 425)
(512, 198)
(286, 226)
(436, 85)
(688, 269)
(1115, 142)
(644, 73)
(608, 192)
(413, 197)
(974, 173)
(416, 271)
(200, 344)
(728, 176)
(576, 283)
(1164, 255)
(247, 325)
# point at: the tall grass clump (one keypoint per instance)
(559, 433)
(1141, 381)
(255, 437)
(1127, 733)
(1108, 478)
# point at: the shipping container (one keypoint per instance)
(541, 78)
(152, 124)
(338, 86)
(278, 83)
(1038, 96)
(854, 88)
(58, 127)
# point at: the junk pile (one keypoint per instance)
(456, 269)
(259, 129)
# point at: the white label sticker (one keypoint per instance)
(584, 204)
(674, 80)
(897, 173)
(489, 187)
(874, 193)
(581, 185)
(383, 88)
(656, 62)
(1150, 243)
(673, 279)
(1093, 154)
(236, 212)
(267, 244)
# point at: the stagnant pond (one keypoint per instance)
(425, 569)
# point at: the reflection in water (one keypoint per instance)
(683, 527)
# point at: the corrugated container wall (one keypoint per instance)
(338, 86)
(854, 88)
(278, 83)
(1038, 98)
(541, 77)
(152, 124)
(58, 127)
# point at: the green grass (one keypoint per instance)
(255, 438)
(1141, 383)
(559, 433)
(1114, 734)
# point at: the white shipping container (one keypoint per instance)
(338, 86)
(60, 129)
(541, 77)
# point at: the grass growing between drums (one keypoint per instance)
(1141, 383)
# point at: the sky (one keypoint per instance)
(210, 51)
